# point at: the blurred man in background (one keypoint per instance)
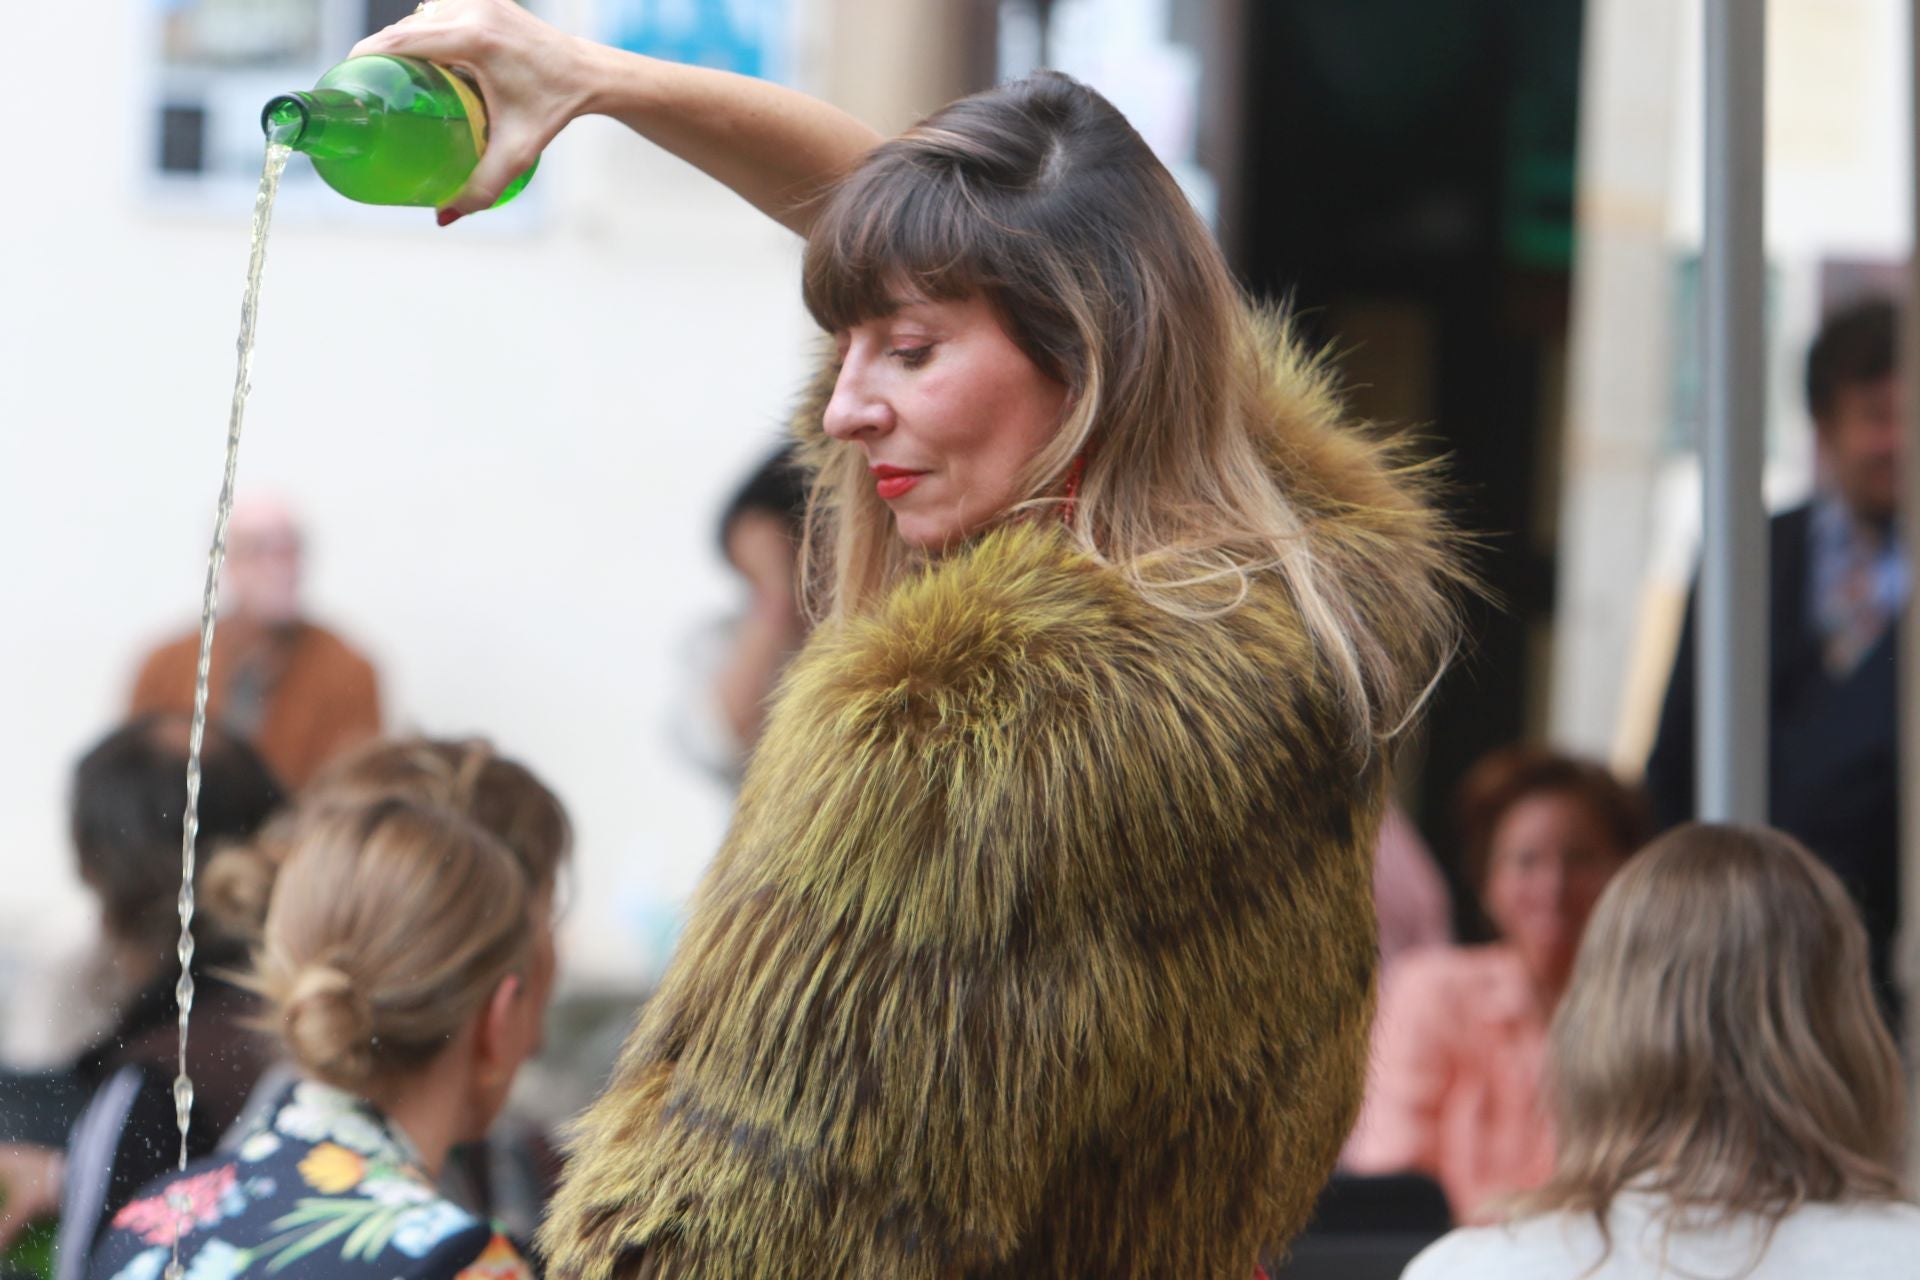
(294, 689)
(1839, 582)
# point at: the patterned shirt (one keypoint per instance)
(325, 1186)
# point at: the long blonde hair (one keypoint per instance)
(391, 924)
(1719, 1045)
(1041, 198)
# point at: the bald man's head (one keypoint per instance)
(262, 576)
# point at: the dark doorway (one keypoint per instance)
(1407, 181)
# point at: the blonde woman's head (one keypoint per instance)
(468, 776)
(398, 933)
(1720, 1044)
(465, 775)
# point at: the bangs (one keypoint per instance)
(892, 233)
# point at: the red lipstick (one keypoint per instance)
(894, 482)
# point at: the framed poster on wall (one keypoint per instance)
(751, 37)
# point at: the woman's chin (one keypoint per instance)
(926, 535)
(1546, 953)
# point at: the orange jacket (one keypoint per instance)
(324, 699)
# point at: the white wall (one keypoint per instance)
(509, 445)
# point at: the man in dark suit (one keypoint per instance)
(1838, 587)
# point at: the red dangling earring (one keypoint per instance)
(1074, 472)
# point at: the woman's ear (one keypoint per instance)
(497, 1045)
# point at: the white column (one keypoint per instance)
(1620, 394)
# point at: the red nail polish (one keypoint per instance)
(447, 217)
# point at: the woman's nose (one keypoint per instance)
(855, 410)
(1558, 882)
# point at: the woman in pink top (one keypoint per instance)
(1409, 894)
(1460, 1039)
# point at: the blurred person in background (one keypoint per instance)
(1729, 1101)
(1838, 585)
(1410, 895)
(296, 690)
(127, 798)
(1460, 1038)
(761, 531)
(402, 965)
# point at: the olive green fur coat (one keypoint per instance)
(1042, 944)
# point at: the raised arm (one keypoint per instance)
(775, 146)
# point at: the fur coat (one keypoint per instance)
(1042, 944)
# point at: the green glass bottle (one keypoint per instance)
(386, 130)
(30, 1256)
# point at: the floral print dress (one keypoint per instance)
(325, 1187)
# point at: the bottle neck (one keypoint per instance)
(327, 123)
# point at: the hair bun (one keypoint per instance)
(329, 1025)
(237, 883)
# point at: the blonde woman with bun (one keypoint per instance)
(511, 1175)
(1728, 1099)
(401, 962)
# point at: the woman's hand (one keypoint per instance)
(29, 1186)
(776, 147)
(534, 77)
